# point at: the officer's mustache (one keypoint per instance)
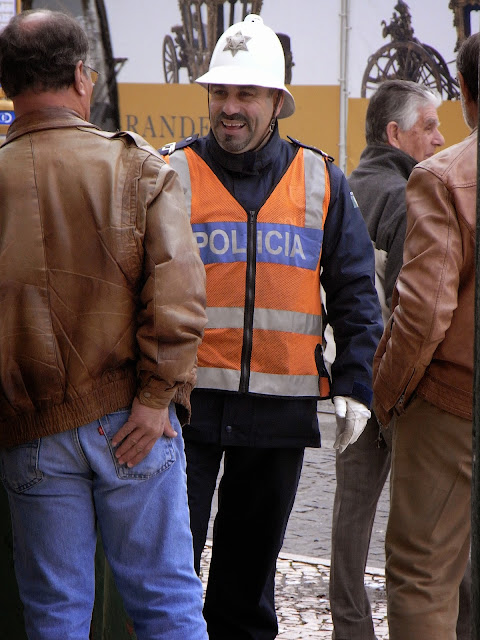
(233, 116)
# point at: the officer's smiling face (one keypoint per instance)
(240, 115)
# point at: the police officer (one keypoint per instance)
(269, 216)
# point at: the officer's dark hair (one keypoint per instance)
(467, 64)
(398, 101)
(40, 55)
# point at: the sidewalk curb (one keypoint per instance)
(321, 562)
(373, 571)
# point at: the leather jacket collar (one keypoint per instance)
(48, 118)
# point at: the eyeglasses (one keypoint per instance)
(93, 74)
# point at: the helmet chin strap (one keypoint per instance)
(274, 117)
(271, 126)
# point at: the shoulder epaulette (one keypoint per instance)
(140, 142)
(307, 146)
(170, 147)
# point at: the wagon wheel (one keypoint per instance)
(450, 87)
(401, 61)
(170, 62)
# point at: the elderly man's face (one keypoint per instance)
(240, 115)
(423, 138)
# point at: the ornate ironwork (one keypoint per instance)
(406, 58)
(462, 18)
(400, 27)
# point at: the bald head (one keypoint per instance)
(30, 20)
(39, 51)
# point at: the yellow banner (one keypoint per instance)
(164, 113)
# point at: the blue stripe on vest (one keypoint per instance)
(286, 244)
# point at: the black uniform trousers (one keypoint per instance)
(261, 440)
(255, 497)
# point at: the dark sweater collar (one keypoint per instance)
(250, 162)
(388, 157)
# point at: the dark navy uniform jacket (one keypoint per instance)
(352, 307)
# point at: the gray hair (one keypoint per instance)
(398, 101)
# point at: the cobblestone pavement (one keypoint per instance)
(303, 608)
(303, 566)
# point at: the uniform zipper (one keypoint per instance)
(249, 301)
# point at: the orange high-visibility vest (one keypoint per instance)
(263, 278)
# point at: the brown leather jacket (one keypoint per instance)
(427, 346)
(102, 290)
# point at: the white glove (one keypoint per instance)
(351, 417)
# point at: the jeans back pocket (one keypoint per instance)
(19, 466)
(159, 459)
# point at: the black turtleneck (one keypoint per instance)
(251, 176)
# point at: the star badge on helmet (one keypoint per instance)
(237, 43)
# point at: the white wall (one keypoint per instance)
(138, 28)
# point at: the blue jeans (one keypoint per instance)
(59, 488)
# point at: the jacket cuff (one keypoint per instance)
(155, 400)
(383, 417)
(182, 403)
(357, 390)
(155, 395)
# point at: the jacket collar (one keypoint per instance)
(388, 157)
(42, 119)
(250, 162)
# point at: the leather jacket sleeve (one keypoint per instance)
(425, 297)
(172, 315)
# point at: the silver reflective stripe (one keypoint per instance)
(222, 379)
(271, 319)
(178, 161)
(314, 188)
(291, 321)
(277, 385)
(263, 383)
(225, 317)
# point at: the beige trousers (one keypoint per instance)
(428, 533)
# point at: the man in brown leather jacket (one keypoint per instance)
(102, 296)
(423, 374)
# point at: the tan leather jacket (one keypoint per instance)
(102, 290)
(427, 346)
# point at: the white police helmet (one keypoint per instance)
(250, 53)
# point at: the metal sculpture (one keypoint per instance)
(406, 58)
(462, 18)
